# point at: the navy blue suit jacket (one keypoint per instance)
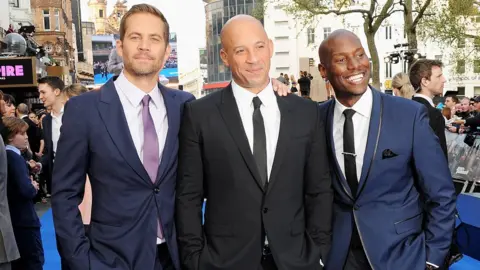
(95, 139)
(20, 193)
(404, 206)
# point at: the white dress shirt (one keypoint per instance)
(361, 124)
(270, 113)
(429, 99)
(56, 125)
(131, 99)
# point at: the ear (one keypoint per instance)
(424, 82)
(168, 50)
(119, 47)
(224, 56)
(57, 92)
(271, 47)
(323, 71)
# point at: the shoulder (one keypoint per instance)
(402, 106)
(182, 95)
(208, 100)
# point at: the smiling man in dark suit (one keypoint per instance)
(260, 161)
(395, 200)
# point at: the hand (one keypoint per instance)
(280, 88)
(39, 154)
(35, 184)
(32, 164)
(459, 122)
(452, 129)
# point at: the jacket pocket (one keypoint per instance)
(409, 224)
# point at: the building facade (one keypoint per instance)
(295, 46)
(53, 23)
(85, 68)
(20, 13)
(77, 22)
(106, 24)
(218, 12)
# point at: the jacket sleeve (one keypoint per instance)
(436, 185)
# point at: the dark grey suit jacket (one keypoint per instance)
(8, 245)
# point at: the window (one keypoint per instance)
(438, 57)
(476, 43)
(388, 70)
(15, 3)
(100, 13)
(461, 43)
(476, 90)
(326, 32)
(57, 20)
(388, 32)
(46, 20)
(311, 35)
(476, 66)
(461, 91)
(461, 66)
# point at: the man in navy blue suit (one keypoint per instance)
(125, 138)
(394, 196)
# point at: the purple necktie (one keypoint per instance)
(151, 157)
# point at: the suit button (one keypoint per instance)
(265, 210)
(156, 190)
(355, 207)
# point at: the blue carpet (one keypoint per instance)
(52, 259)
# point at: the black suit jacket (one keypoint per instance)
(33, 134)
(47, 158)
(437, 122)
(216, 163)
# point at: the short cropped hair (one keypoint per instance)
(422, 69)
(52, 81)
(144, 8)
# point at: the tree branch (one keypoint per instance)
(318, 11)
(421, 13)
(383, 15)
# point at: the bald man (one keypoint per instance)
(394, 196)
(261, 162)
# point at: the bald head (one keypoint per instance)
(324, 52)
(22, 109)
(246, 50)
(239, 23)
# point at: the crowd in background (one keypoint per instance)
(30, 139)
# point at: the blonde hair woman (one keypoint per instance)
(75, 90)
(402, 87)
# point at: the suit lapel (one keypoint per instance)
(231, 116)
(337, 170)
(373, 133)
(173, 116)
(113, 116)
(286, 124)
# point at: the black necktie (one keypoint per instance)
(259, 141)
(349, 152)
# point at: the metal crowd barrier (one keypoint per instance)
(464, 162)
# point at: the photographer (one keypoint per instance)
(473, 122)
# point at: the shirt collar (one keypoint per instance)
(13, 148)
(363, 106)
(134, 95)
(244, 97)
(429, 99)
(59, 115)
